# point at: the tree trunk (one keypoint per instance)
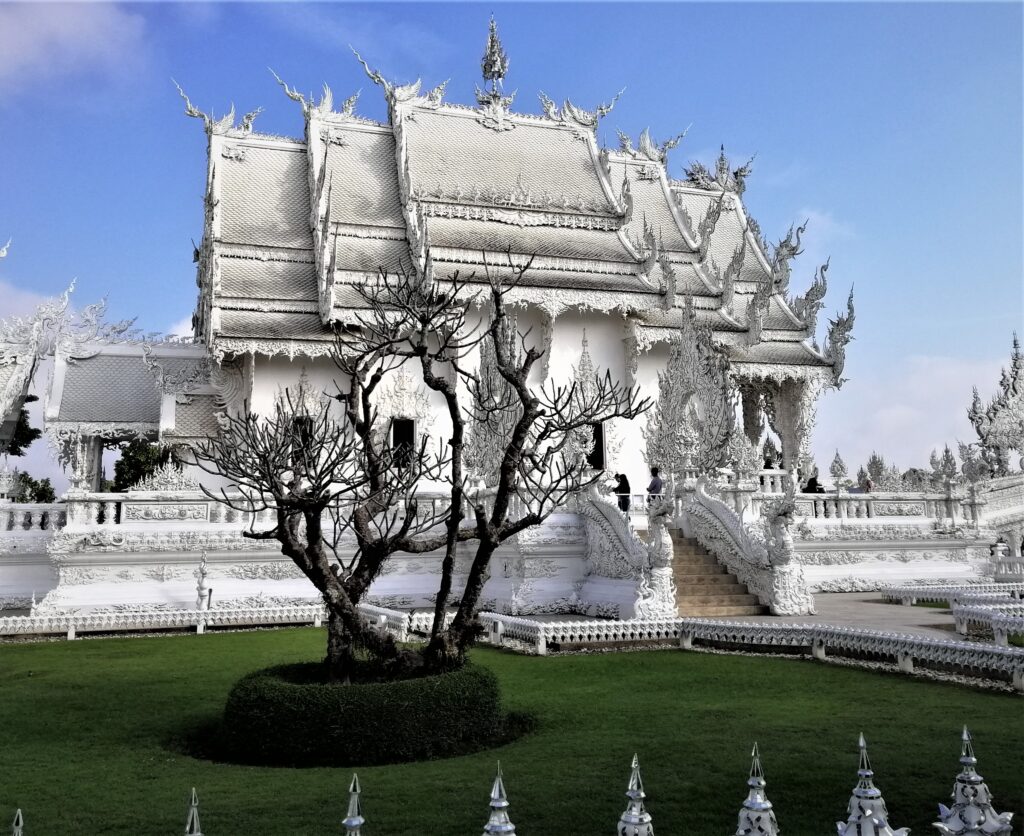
(340, 648)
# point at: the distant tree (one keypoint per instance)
(27, 489)
(24, 432)
(139, 458)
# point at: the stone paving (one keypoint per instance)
(867, 609)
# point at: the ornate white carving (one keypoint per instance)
(168, 477)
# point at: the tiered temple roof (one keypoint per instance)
(294, 227)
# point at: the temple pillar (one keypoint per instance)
(792, 413)
(86, 462)
(753, 420)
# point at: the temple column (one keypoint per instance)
(753, 420)
(793, 414)
(86, 462)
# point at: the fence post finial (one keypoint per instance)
(635, 820)
(192, 827)
(757, 818)
(972, 810)
(867, 811)
(354, 820)
(499, 822)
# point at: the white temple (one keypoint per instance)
(621, 254)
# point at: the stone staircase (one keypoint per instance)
(704, 587)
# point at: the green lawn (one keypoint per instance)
(87, 726)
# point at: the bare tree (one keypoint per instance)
(305, 465)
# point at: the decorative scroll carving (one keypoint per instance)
(224, 125)
(647, 148)
(722, 179)
(807, 307)
(707, 226)
(784, 252)
(840, 332)
(160, 512)
(518, 196)
(191, 373)
(577, 117)
(167, 477)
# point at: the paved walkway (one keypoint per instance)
(867, 609)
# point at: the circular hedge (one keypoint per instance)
(288, 716)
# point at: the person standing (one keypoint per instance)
(622, 491)
(655, 487)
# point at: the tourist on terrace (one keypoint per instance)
(813, 486)
(654, 489)
(622, 491)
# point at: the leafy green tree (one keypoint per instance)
(24, 432)
(28, 489)
(139, 458)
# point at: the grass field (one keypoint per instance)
(89, 732)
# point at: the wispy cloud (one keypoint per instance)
(47, 41)
(393, 46)
(903, 410)
(16, 300)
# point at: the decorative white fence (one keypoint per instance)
(906, 650)
(865, 811)
(16, 517)
(909, 595)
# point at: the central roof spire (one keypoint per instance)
(494, 64)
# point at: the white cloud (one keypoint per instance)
(43, 41)
(902, 410)
(17, 301)
(183, 327)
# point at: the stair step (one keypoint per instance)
(723, 611)
(690, 581)
(717, 600)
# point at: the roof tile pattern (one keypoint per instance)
(110, 388)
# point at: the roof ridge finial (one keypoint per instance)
(756, 815)
(972, 810)
(499, 822)
(494, 64)
(353, 820)
(192, 827)
(635, 820)
(866, 803)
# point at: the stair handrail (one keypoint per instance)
(760, 553)
(616, 551)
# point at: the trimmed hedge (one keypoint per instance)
(287, 716)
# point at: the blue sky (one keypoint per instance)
(895, 128)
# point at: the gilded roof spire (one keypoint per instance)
(494, 64)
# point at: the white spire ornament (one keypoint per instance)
(18, 827)
(192, 827)
(867, 813)
(757, 817)
(353, 820)
(635, 820)
(972, 810)
(499, 821)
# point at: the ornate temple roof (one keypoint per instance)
(293, 228)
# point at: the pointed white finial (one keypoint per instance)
(757, 818)
(192, 827)
(18, 827)
(635, 820)
(353, 820)
(499, 822)
(867, 811)
(972, 811)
